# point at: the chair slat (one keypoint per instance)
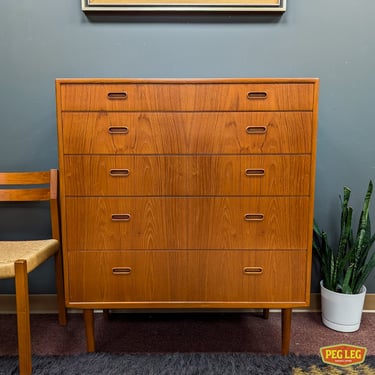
(24, 178)
(24, 195)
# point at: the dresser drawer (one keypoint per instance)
(186, 175)
(186, 133)
(186, 97)
(187, 223)
(250, 277)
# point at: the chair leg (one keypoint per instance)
(60, 289)
(23, 318)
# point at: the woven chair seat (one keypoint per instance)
(34, 252)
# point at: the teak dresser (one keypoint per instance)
(187, 193)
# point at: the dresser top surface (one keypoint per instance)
(187, 80)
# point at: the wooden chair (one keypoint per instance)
(18, 258)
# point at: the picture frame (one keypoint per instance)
(185, 5)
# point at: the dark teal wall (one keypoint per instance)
(333, 40)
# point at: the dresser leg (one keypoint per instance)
(106, 314)
(266, 313)
(286, 323)
(88, 315)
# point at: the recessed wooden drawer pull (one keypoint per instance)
(253, 270)
(121, 95)
(257, 95)
(254, 172)
(119, 172)
(254, 217)
(118, 130)
(121, 270)
(121, 217)
(256, 129)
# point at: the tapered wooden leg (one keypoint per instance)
(88, 315)
(60, 289)
(106, 314)
(23, 318)
(286, 330)
(266, 313)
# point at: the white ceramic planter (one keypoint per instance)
(342, 312)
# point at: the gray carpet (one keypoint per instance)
(182, 364)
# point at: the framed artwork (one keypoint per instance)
(185, 5)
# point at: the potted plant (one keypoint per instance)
(346, 267)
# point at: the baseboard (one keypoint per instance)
(47, 303)
(39, 303)
(315, 305)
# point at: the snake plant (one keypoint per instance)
(346, 268)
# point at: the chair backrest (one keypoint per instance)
(30, 187)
